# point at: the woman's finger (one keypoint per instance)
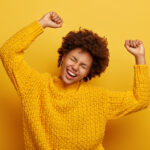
(134, 44)
(136, 41)
(130, 43)
(55, 16)
(57, 19)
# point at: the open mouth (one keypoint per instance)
(70, 75)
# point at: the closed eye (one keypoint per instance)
(75, 59)
(83, 67)
(72, 59)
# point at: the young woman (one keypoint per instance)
(65, 111)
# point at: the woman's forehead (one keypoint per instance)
(78, 52)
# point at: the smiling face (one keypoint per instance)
(76, 65)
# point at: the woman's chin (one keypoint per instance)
(68, 81)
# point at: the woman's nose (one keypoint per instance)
(75, 67)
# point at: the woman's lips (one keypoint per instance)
(68, 76)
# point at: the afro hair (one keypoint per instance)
(88, 41)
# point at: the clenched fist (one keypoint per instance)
(135, 47)
(51, 19)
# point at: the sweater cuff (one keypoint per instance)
(141, 73)
(35, 28)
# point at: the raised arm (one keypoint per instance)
(124, 103)
(23, 77)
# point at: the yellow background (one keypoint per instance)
(115, 19)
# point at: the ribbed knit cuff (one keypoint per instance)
(35, 28)
(141, 73)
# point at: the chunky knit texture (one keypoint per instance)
(73, 117)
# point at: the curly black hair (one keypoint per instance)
(88, 41)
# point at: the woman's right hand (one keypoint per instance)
(52, 20)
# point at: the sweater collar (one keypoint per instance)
(62, 86)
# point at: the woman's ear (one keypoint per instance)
(63, 57)
(62, 60)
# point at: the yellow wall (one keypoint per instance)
(115, 19)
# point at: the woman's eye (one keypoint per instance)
(75, 60)
(72, 59)
(83, 67)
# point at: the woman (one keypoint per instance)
(65, 111)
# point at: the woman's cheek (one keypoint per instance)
(69, 63)
(83, 71)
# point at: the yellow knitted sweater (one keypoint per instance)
(58, 117)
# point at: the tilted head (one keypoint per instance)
(83, 55)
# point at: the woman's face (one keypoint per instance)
(75, 66)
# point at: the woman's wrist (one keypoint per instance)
(42, 23)
(140, 60)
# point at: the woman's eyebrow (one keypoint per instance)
(76, 60)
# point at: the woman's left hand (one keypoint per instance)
(135, 47)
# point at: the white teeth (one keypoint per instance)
(71, 73)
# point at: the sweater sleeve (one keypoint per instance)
(23, 77)
(124, 103)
